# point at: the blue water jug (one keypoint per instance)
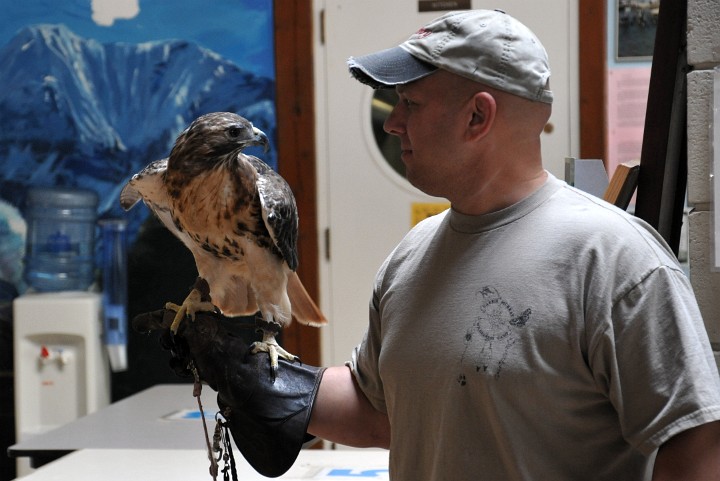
(60, 246)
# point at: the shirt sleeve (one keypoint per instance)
(654, 360)
(365, 361)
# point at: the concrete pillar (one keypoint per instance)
(703, 52)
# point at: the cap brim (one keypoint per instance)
(388, 68)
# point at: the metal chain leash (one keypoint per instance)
(221, 437)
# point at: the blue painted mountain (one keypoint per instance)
(75, 112)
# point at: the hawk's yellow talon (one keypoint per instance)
(191, 305)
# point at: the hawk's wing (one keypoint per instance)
(279, 213)
(147, 180)
(148, 186)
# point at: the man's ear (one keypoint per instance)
(477, 118)
(483, 114)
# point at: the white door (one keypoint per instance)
(365, 206)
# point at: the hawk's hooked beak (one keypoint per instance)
(261, 139)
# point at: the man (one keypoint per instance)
(532, 331)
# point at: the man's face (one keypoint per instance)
(429, 119)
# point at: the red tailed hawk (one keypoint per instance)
(238, 218)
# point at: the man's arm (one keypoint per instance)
(691, 455)
(342, 414)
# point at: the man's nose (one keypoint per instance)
(395, 122)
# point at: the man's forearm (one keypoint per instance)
(342, 413)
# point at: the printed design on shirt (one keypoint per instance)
(492, 335)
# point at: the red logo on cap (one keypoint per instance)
(422, 33)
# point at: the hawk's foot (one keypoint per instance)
(270, 345)
(189, 307)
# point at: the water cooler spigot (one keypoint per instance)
(61, 357)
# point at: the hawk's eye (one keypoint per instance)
(234, 131)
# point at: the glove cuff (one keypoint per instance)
(270, 427)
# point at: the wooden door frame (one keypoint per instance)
(296, 150)
(296, 128)
(592, 43)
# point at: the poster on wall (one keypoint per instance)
(631, 39)
(627, 96)
(91, 91)
(635, 29)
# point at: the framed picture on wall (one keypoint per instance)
(635, 29)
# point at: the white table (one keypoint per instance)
(142, 421)
(181, 464)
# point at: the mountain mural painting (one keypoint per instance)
(76, 112)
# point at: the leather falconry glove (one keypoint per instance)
(267, 416)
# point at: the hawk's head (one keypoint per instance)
(213, 138)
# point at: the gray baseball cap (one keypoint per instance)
(487, 46)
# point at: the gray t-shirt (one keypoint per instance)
(557, 339)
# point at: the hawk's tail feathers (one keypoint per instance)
(304, 309)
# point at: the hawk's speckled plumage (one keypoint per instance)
(236, 215)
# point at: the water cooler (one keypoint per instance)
(61, 366)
